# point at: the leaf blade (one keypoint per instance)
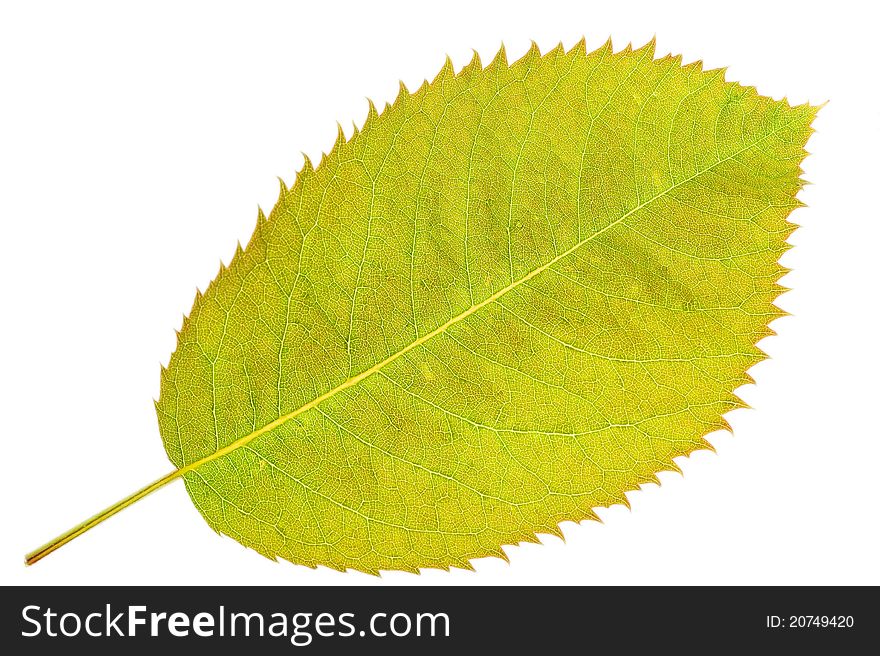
(404, 480)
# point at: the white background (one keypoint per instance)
(135, 145)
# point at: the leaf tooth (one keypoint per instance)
(197, 304)
(741, 404)
(500, 59)
(533, 53)
(555, 530)
(528, 58)
(331, 565)
(261, 225)
(256, 234)
(590, 515)
(579, 48)
(695, 66)
(475, 65)
(402, 94)
(778, 313)
(789, 228)
(724, 425)
(759, 354)
(282, 192)
(412, 569)
(465, 564)
(556, 51)
(307, 168)
(340, 135)
(355, 130)
(502, 554)
(448, 66)
(372, 115)
(372, 571)
(783, 270)
(674, 467)
(776, 290)
(702, 445)
(787, 231)
(446, 71)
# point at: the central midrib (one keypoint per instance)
(354, 380)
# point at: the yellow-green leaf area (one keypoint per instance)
(511, 297)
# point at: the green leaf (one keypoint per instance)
(511, 297)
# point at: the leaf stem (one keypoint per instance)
(91, 522)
